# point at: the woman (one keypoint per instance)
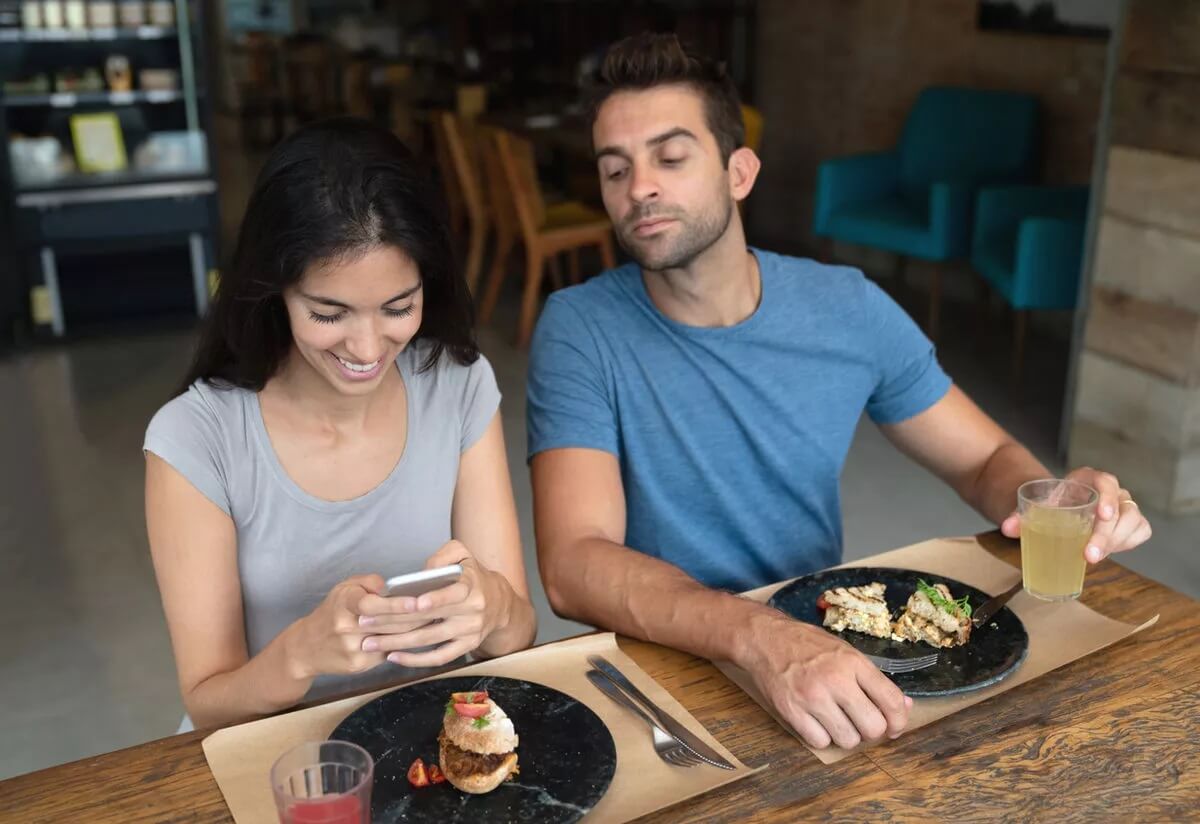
(338, 427)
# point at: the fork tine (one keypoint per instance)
(914, 664)
(683, 758)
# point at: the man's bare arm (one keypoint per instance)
(825, 689)
(591, 576)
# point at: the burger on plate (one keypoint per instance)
(477, 743)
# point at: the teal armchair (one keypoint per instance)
(916, 201)
(1028, 247)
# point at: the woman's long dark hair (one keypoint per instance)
(331, 190)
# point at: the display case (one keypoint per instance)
(109, 174)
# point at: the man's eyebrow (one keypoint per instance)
(612, 151)
(671, 134)
(657, 140)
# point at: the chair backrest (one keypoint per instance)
(445, 163)
(969, 136)
(520, 174)
(753, 120)
(501, 205)
(452, 144)
(356, 87)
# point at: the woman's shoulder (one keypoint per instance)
(206, 411)
(447, 374)
(452, 390)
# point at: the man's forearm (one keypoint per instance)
(617, 588)
(994, 493)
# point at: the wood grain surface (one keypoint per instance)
(1114, 735)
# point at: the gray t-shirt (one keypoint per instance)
(293, 547)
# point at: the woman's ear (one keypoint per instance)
(743, 171)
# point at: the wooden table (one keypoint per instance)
(1114, 736)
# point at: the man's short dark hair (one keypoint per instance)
(647, 60)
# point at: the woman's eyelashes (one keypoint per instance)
(391, 313)
(319, 318)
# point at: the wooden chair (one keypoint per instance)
(501, 214)
(356, 87)
(752, 118)
(545, 232)
(464, 194)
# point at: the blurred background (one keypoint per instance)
(1021, 176)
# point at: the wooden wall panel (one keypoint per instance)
(1147, 471)
(1159, 111)
(1162, 35)
(1158, 338)
(1148, 263)
(1154, 188)
(1137, 406)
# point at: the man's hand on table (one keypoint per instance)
(823, 687)
(1120, 524)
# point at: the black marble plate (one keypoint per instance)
(566, 755)
(993, 652)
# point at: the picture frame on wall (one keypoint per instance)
(99, 143)
(1069, 18)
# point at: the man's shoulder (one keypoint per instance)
(811, 277)
(609, 291)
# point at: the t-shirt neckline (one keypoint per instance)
(322, 504)
(744, 325)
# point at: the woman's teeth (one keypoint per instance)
(357, 367)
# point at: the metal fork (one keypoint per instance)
(895, 666)
(668, 748)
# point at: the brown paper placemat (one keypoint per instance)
(1059, 632)
(241, 757)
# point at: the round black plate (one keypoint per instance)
(566, 755)
(994, 651)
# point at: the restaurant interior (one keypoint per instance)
(1063, 298)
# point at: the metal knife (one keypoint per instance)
(984, 614)
(681, 733)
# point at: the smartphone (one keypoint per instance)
(427, 580)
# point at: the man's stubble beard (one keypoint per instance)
(695, 239)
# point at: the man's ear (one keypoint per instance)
(743, 171)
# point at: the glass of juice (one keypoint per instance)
(323, 782)
(1057, 517)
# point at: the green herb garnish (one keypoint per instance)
(480, 722)
(450, 706)
(962, 605)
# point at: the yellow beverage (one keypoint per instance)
(1052, 543)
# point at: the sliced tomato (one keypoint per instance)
(822, 604)
(417, 775)
(472, 710)
(469, 697)
(435, 774)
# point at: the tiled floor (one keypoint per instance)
(86, 665)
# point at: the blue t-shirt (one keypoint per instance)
(731, 440)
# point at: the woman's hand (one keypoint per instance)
(458, 617)
(329, 640)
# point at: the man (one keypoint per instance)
(689, 415)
